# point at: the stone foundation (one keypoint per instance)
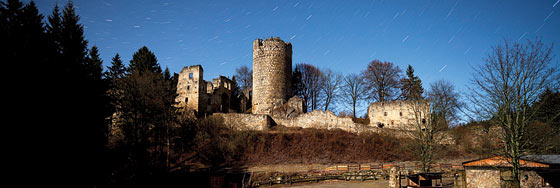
(483, 178)
(319, 119)
(241, 122)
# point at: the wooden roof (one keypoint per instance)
(500, 161)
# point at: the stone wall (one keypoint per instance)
(483, 178)
(239, 121)
(397, 114)
(533, 179)
(203, 97)
(494, 177)
(272, 70)
(319, 119)
(290, 109)
(220, 94)
(190, 89)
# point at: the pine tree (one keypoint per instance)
(144, 61)
(93, 64)
(22, 34)
(54, 31)
(74, 45)
(411, 86)
(116, 70)
(79, 94)
(166, 74)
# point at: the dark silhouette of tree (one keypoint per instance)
(93, 64)
(116, 70)
(73, 43)
(297, 84)
(22, 35)
(411, 86)
(54, 32)
(382, 80)
(68, 92)
(547, 108)
(79, 94)
(144, 61)
(144, 101)
(543, 134)
(166, 74)
(311, 85)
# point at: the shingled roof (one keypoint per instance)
(530, 161)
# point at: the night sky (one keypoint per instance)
(440, 39)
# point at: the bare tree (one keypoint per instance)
(445, 103)
(353, 90)
(506, 85)
(424, 131)
(382, 79)
(311, 87)
(331, 82)
(428, 118)
(244, 80)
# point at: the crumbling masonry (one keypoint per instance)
(272, 71)
(402, 115)
(271, 102)
(196, 95)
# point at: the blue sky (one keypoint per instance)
(440, 39)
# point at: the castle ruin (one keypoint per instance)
(272, 71)
(271, 102)
(398, 114)
(200, 96)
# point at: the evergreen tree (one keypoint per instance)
(93, 64)
(54, 31)
(74, 45)
(411, 86)
(22, 35)
(72, 105)
(144, 61)
(166, 74)
(146, 115)
(547, 108)
(80, 95)
(116, 70)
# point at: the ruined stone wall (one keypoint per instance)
(319, 119)
(397, 114)
(239, 121)
(483, 178)
(272, 69)
(191, 89)
(220, 94)
(202, 97)
(290, 109)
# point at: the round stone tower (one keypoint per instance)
(272, 71)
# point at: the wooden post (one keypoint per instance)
(394, 177)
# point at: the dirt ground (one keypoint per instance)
(448, 182)
(345, 184)
(287, 167)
